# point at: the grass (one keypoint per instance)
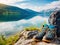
(8, 40)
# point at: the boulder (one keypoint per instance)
(54, 19)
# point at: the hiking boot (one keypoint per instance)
(31, 34)
(50, 35)
(40, 35)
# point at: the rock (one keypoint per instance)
(25, 34)
(43, 43)
(54, 19)
(23, 41)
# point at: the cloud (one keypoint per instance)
(54, 4)
(5, 26)
(32, 4)
(10, 2)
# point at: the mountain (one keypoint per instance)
(12, 13)
(47, 13)
(33, 12)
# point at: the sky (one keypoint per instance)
(36, 5)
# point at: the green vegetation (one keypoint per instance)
(32, 28)
(8, 40)
(2, 40)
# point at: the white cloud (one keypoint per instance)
(10, 2)
(54, 4)
(38, 20)
(5, 26)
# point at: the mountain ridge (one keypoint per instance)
(12, 13)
